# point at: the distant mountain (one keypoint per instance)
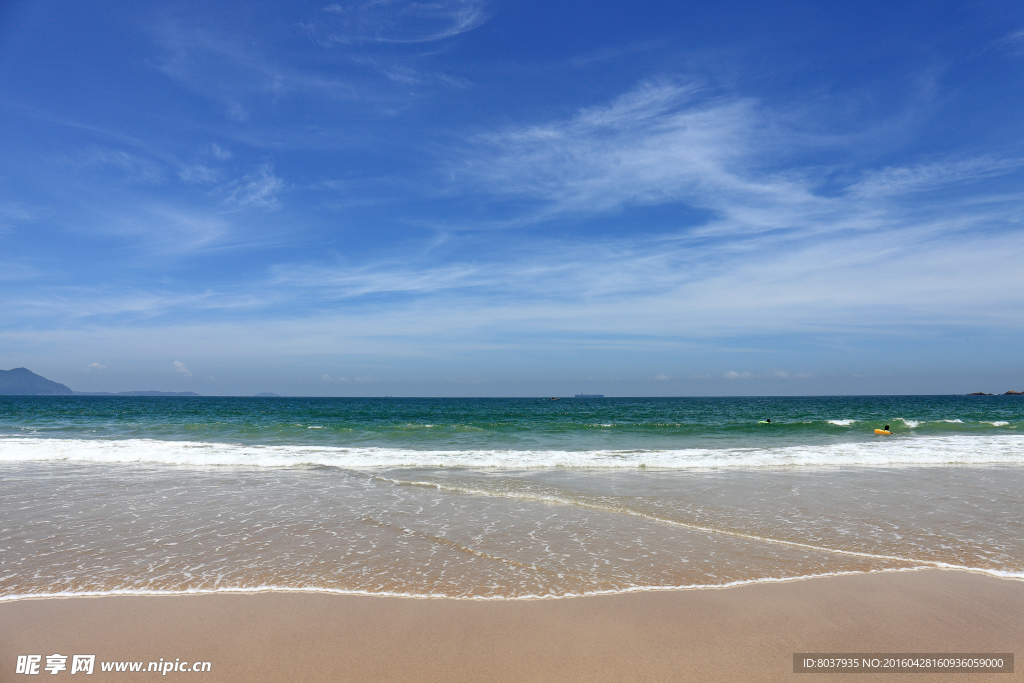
(136, 393)
(268, 394)
(24, 382)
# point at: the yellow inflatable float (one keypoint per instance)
(883, 432)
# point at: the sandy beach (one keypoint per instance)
(747, 632)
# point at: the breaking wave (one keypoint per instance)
(923, 450)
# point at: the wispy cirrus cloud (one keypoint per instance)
(199, 174)
(398, 21)
(14, 213)
(327, 378)
(132, 304)
(227, 70)
(258, 189)
(220, 152)
(896, 180)
(131, 167)
(168, 229)
(14, 270)
(683, 287)
(1013, 41)
(248, 82)
(778, 374)
(663, 142)
(796, 260)
(669, 142)
(342, 281)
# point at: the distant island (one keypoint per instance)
(268, 394)
(1011, 392)
(135, 393)
(24, 382)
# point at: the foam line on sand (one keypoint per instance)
(742, 633)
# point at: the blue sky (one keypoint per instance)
(457, 197)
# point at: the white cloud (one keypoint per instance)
(898, 180)
(14, 270)
(14, 213)
(237, 113)
(791, 261)
(927, 273)
(653, 145)
(398, 21)
(344, 380)
(198, 173)
(1014, 41)
(661, 378)
(132, 167)
(778, 374)
(227, 70)
(257, 190)
(95, 367)
(220, 152)
(180, 368)
(167, 229)
(343, 281)
(667, 142)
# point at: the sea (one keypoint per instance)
(500, 498)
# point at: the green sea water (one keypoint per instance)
(519, 423)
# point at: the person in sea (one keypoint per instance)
(886, 427)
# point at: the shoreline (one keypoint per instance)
(741, 632)
(638, 590)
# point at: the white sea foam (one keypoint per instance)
(842, 423)
(998, 423)
(273, 588)
(927, 450)
(912, 424)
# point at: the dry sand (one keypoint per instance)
(741, 633)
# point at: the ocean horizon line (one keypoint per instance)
(545, 397)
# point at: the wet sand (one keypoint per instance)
(745, 632)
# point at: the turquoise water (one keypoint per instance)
(500, 498)
(566, 424)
